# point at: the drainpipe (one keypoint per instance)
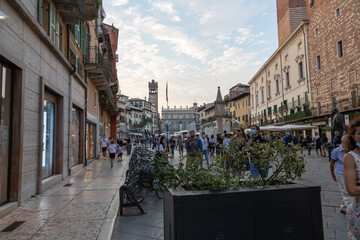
(267, 95)
(86, 98)
(308, 78)
(282, 81)
(70, 99)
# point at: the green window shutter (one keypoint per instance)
(83, 34)
(57, 31)
(52, 20)
(72, 28)
(77, 34)
(41, 12)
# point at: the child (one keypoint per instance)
(112, 151)
(119, 152)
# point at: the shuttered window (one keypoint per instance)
(52, 22)
(84, 41)
(41, 12)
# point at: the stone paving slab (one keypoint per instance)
(136, 226)
(85, 210)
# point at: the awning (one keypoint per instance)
(283, 128)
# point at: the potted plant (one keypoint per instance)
(215, 203)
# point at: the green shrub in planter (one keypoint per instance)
(285, 163)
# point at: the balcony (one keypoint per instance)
(107, 47)
(107, 101)
(72, 11)
(304, 101)
(297, 115)
(99, 69)
(90, 9)
(283, 108)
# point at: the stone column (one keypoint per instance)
(219, 111)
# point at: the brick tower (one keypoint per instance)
(290, 13)
(153, 93)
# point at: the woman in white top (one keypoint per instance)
(112, 151)
(163, 147)
(352, 179)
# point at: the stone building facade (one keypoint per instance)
(280, 91)
(334, 49)
(42, 58)
(179, 118)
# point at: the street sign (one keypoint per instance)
(347, 120)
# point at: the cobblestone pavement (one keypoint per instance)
(85, 210)
(134, 226)
(318, 172)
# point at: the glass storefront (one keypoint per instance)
(5, 130)
(75, 137)
(48, 138)
(90, 141)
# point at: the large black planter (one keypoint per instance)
(278, 212)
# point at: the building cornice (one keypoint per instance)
(289, 40)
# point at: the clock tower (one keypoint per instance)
(153, 93)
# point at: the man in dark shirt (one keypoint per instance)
(194, 151)
(255, 137)
(309, 142)
(289, 138)
(337, 139)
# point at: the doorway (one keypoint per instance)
(75, 137)
(48, 141)
(5, 130)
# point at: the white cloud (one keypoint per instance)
(182, 44)
(115, 3)
(194, 57)
(168, 8)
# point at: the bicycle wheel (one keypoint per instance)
(159, 192)
(138, 191)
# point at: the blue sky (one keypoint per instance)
(195, 46)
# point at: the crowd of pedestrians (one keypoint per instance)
(344, 156)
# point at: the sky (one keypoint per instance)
(194, 45)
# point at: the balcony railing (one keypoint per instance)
(100, 69)
(297, 115)
(304, 101)
(72, 11)
(90, 9)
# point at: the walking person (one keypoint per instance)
(352, 176)
(318, 143)
(219, 141)
(172, 143)
(163, 148)
(241, 143)
(119, 152)
(181, 146)
(337, 173)
(309, 142)
(112, 151)
(194, 151)
(337, 139)
(212, 144)
(325, 144)
(205, 145)
(104, 143)
(128, 146)
(289, 138)
(256, 138)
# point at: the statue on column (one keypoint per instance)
(338, 122)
